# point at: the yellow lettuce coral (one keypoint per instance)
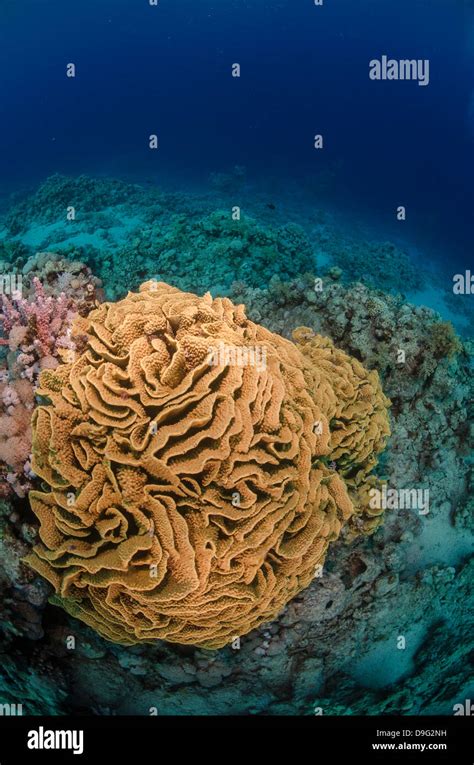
(186, 453)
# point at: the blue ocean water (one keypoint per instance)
(166, 69)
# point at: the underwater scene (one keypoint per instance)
(236, 338)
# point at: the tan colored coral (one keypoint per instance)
(189, 492)
(357, 410)
(353, 401)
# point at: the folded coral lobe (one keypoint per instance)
(185, 459)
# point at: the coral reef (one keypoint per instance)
(39, 685)
(377, 264)
(190, 496)
(214, 251)
(443, 340)
(334, 646)
(127, 233)
(23, 595)
(51, 200)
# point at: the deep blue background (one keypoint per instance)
(166, 70)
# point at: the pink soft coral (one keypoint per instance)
(39, 324)
(35, 335)
(36, 330)
(16, 405)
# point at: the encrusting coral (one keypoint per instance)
(191, 491)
